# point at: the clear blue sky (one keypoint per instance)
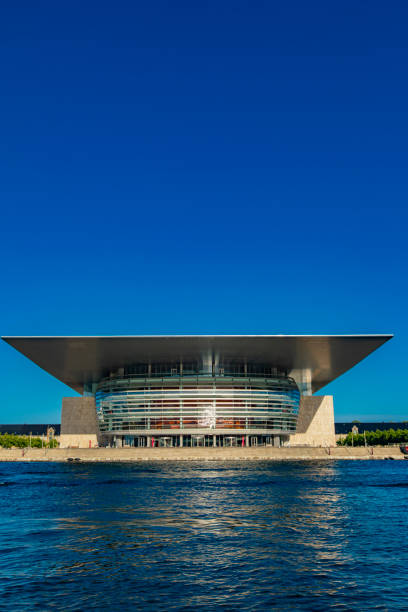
(214, 167)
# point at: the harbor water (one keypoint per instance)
(310, 535)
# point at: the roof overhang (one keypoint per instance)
(77, 360)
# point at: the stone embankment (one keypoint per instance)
(199, 454)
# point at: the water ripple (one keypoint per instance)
(177, 536)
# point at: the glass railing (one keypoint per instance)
(200, 375)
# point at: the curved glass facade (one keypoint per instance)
(206, 403)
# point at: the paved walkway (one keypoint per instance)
(199, 454)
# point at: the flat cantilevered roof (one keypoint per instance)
(77, 360)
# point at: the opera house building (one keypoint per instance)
(149, 391)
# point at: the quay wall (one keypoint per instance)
(199, 454)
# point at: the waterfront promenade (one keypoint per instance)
(200, 454)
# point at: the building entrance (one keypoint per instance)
(230, 441)
(166, 441)
(197, 441)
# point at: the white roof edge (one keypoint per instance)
(213, 336)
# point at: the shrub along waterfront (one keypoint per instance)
(11, 440)
(375, 438)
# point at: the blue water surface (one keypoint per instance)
(207, 536)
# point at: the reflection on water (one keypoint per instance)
(285, 536)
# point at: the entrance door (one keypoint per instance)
(165, 441)
(197, 440)
(254, 441)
